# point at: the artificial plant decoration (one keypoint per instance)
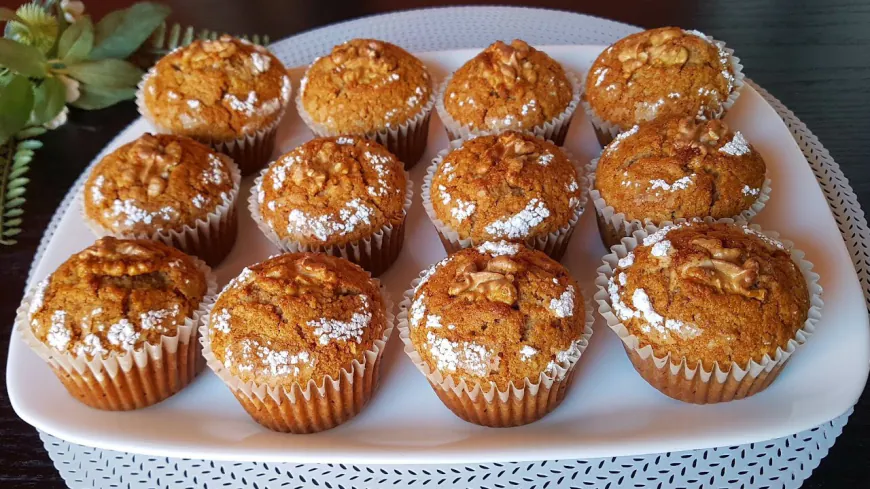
(52, 54)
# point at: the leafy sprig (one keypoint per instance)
(15, 158)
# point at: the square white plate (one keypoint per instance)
(609, 410)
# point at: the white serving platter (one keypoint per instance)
(608, 411)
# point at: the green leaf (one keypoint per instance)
(21, 161)
(94, 97)
(29, 144)
(11, 232)
(17, 182)
(109, 73)
(32, 132)
(13, 203)
(17, 172)
(120, 33)
(15, 192)
(48, 100)
(14, 212)
(76, 42)
(16, 102)
(21, 58)
(12, 222)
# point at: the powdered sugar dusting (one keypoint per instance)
(527, 352)
(680, 184)
(221, 321)
(738, 146)
(322, 227)
(58, 334)
(333, 329)
(96, 189)
(451, 356)
(620, 138)
(563, 306)
(499, 248)
(520, 224)
(123, 334)
(767, 239)
(747, 190)
(661, 248)
(463, 210)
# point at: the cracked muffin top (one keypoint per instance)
(710, 293)
(116, 296)
(676, 167)
(510, 186)
(498, 312)
(660, 72)
(332, 191)
(157, 182)
(217, 90)
(365, 85)
(296, 317)
(508, 86)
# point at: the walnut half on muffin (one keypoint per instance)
(676, 168)
(501, 317)
(509, 87)
(708, 311)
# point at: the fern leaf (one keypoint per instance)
(13, 212)
(12, 193)
(167, 38)
(13, 203)
(11, 223)
(17, 172)
(17, 182)
(29, 144)
(11, 232)
(31, 132)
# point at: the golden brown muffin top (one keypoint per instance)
(365, 85)
(333, 191)
(659, 72)
(508, 86)
(217, 90)
(296, 317)
(157, 182)
(711, 293)
(508, 186)
(116, 296)
(676, 167)
(499, 312)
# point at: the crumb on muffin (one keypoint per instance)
(331, 191)
(508, 86)
(677, 167)
(116, 296)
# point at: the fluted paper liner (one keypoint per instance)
(211, 238)
(554, 130)
(553, 244)
(605, 131)
(128, 380)
(486, 404)
(374, 253)
(613, 226)
(315, 406)
(250, 151)
(407, 140)
(674, 377)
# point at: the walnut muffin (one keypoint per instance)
(372, 89)
(344, 195)
(225, 92)
(299, 323)
(712, 296)
(116, 322)
(511, 186)
(509, 86)
(676, 168)
(495, 316)
(660, 72)
(169, 188)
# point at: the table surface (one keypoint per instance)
(813, 56)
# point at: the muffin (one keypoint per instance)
(676, 168)
(657, 73)
(510, 186)
(346, 196)
(227, 93)
(509, 87)
(497, 330)
(167, 188)
(371, 89)
(708, 311)
(298, 339)
(117, 322)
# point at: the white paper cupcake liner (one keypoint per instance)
(486, 404)
(553, 244)
(129, 380)
(374, 253)
(407, 141)
(553, 130)
(250, 151)
(613, 225)
(674, 377)
(605, 131)
(211, 238)
(312, 407)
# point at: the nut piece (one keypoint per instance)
(310, 272)
(724, 271)
(701, 136)
(495, 283)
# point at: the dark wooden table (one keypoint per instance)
(813, 55)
